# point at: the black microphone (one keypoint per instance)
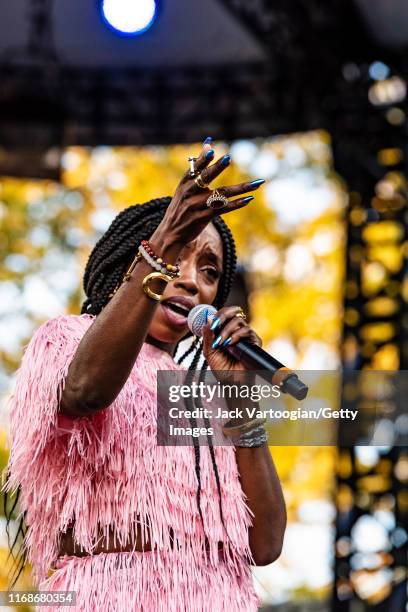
(252, 356)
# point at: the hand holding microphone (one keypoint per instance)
(230, 344)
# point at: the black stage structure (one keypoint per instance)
(309, 69)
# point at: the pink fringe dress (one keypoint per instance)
(105, 471)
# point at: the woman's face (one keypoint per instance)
(201, 262)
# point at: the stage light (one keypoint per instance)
(390, 91)
(129, 17)
(379, 71)
(395, 116)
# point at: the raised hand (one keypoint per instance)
(188, 213)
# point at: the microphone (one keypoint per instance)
(252, 356)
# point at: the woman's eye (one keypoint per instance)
(212, 272)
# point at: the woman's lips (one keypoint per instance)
(172, 317)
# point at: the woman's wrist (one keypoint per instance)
(254, 438)
(165, 245)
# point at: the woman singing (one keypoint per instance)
(110, 515)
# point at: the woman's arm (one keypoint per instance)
(107, 352)
(261, 485)
(257, 472)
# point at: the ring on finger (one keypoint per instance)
(215, 197)
(241, 313)
(191, 161)
(199, 182)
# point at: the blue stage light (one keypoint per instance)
(129, 17)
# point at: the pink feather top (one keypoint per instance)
(106, 470)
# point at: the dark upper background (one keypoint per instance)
(230, 68)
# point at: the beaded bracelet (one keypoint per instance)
(156, 262)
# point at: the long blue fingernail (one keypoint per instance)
(225, 160)
(210, 153)
(216, 342)
(248, 198)
(227, 341)
(208, 140)
(215, 323)
(257, 182)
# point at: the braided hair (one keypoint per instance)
(104, 271)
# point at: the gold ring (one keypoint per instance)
(199, 182)
(146, 281)
(241, 313)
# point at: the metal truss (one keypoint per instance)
(370, 155)
(46, 104)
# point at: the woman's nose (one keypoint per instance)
(187, 279)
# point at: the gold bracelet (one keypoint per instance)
(132, 266)
(148, 278)
(127, 275)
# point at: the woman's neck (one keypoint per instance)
(168, 347)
